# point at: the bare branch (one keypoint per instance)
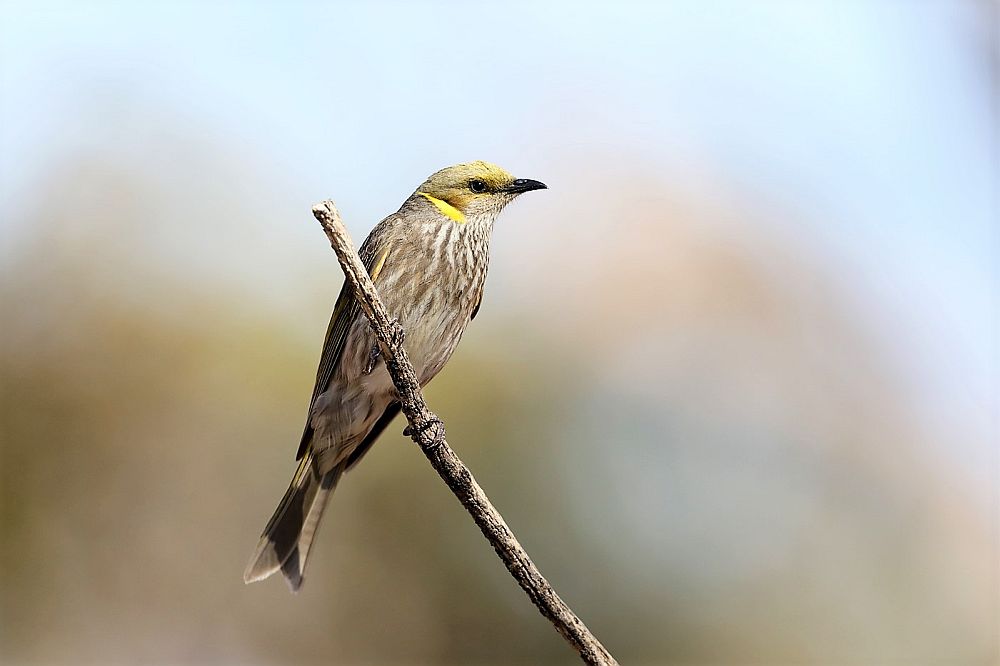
(427, 431)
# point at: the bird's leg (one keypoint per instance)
(397, 334)
(432, 421)
(373, 356)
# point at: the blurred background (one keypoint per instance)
(734, 382)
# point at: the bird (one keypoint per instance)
(428, 261)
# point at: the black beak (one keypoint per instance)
(522, 185)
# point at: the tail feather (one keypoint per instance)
(288, 537)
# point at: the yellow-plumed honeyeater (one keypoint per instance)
(428, 261)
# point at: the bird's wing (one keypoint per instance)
(373, 253)
(479, 304)
(391, 412)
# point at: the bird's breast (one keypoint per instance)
(431, 282)
(445, 288)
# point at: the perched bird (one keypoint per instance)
(428, 261)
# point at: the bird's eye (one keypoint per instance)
(477, 186)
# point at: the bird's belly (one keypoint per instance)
(344, 414)
(342, 417)
(431, 340)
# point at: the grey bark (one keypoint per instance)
(427, 430)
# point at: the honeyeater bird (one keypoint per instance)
(428, 261)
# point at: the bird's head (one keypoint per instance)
(476, 190)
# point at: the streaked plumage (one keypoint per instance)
(429, 262)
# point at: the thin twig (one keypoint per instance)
(427, 431)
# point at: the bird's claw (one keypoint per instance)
(396, 337)
(432, 422)
(396, 333)
(373, 356)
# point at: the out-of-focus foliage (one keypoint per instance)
(706, 437)
(693, 436)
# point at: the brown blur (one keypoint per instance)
(693, 432)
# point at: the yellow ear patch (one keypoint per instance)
(445, 207)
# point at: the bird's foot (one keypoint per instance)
(396, 337)
(433, 424)
(396, 333)
(373, 356)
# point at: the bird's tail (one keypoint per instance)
(289, 534)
